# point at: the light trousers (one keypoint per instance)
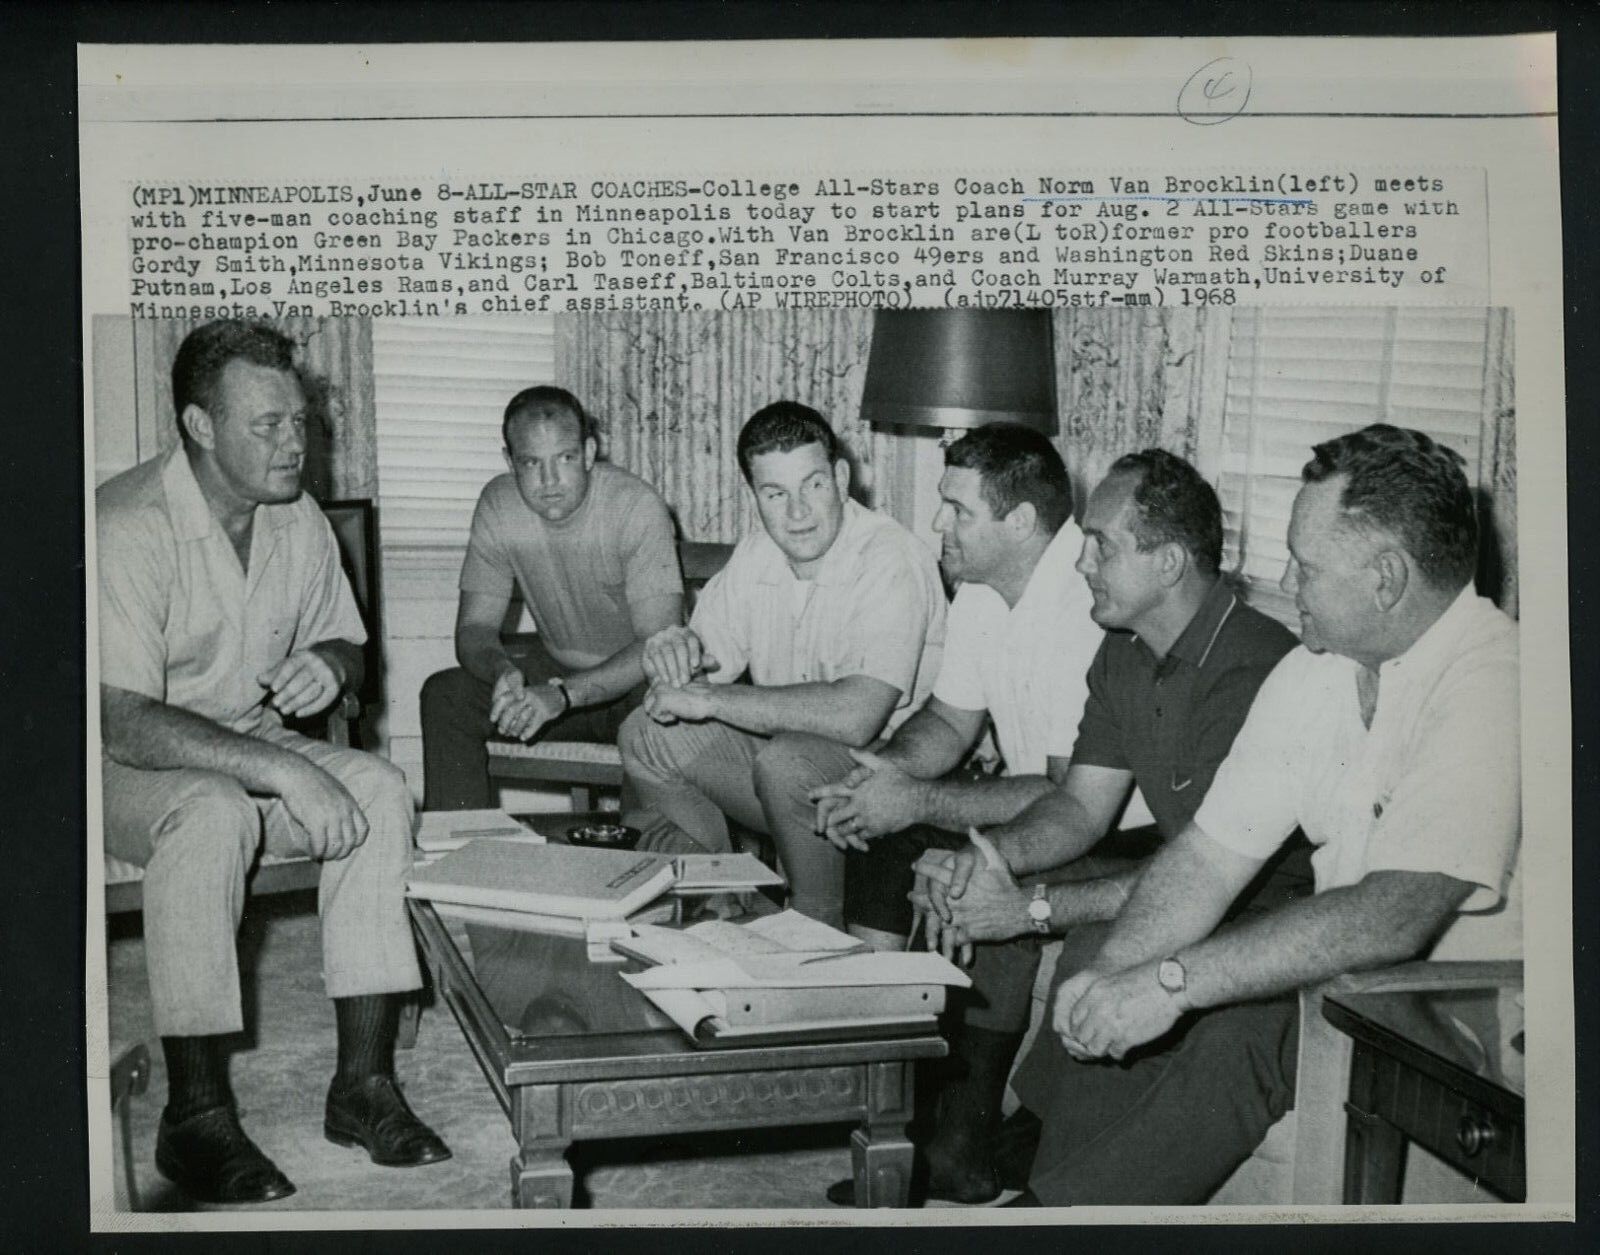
(689, 778)
(196, 833)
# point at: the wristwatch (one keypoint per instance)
(1039, 910)
(1172, 975)
(560, 683)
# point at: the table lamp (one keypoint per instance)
(954, 369)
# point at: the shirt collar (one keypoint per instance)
(837, 565)
(1194, 644)
(191, 513)
(1438, 645)
(1056, 565)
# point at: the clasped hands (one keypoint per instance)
(876, 798)
(674, 660)
(967, 895)
(519, 709)
(1103, 1015)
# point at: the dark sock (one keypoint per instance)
(197, 1076)
(366, 1026)
(961, 1153)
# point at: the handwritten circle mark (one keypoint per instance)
(1217, 91)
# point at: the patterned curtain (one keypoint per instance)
(336, 364)
(670, 392)
(1497, 466)
(1130, 379)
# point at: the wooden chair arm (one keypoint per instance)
(341, 718)
(1425, 975)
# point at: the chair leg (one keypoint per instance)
(410, 1017)
(130, 1075)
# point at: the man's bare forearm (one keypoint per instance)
(959, 804)
(1054, 829)
(138, 731)
(610, 679)
(1090, 901)
(1387, 917)
(1184, 891)
(926, 745)
(481, 651)
(850, 711)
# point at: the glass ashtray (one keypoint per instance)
(604, 836)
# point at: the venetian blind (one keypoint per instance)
(1297, 377)
(441, 386)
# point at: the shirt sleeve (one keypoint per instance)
(487, 567)
(327, 607)
(1252, 804)
(1099, 742)
(889, 625)
(650, 560)
(135, 575)
(960, 684)
(1457, 809)
(720, 622)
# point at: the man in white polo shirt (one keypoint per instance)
(1020, 641)
(1391, 739)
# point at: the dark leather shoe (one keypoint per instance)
(211, 1160)
(372, 1114)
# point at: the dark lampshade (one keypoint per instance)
(956, 368)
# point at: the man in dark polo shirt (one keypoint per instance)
(1168, 689)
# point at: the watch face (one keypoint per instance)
(1172, 976)
(1039, 909)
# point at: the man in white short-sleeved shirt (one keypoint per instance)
(1391, 739)
(1018, 646)
(837, 616)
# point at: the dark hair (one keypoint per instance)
(1174, 505)
(1016, 463)
(1411, 486)
(205, 354)
(782, 426)
(545, 401)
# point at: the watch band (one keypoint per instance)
(566, 694)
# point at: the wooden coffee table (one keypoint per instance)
(573, 1052)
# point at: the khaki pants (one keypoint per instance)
(196, 833)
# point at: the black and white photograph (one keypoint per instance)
(811, 759)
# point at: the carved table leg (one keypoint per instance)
(540, 1174)
(880, 1153)
(881, 1158)
(541, 1178)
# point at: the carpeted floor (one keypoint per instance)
(283, 1061)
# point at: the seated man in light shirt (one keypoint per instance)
(1391, 738)
(223, 610)
(590, 548)
(836, 613)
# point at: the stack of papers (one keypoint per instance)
(783, 973)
